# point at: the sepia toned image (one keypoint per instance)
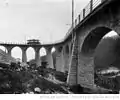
(59, 47)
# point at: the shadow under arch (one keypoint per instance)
(30, 53)
(60, 49)
(67, 49)
(16, 52)
(71, 47)
(92, 39)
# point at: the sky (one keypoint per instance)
(46, 20)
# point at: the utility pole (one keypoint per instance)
(72, 13)
(73, 20)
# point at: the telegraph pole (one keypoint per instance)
(72, 13)
(72, 19)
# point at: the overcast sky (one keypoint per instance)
(42, 19)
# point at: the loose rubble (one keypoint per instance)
(15, 79)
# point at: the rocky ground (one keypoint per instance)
(15, 79)
(21, 81)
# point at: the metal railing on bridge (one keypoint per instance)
(17, 43)
(85, 12)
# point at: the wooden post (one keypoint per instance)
(72, 18)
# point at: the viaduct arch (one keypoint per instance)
(92, 39)
(88, 33)
(18, 51)
(28, 51)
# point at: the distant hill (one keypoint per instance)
(5, 58)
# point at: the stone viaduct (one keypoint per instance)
(75, 53)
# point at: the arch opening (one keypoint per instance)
(53, 49)
(42, 52)
(4, 49)
(30, 52)
(107, 60)
(16, 52)
(93, 38)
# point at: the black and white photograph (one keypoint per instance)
(60, 47)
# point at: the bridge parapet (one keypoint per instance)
(89, 8)
(16, 43)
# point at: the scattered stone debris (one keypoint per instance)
(17, 80)
(30, 81)
(37, 89)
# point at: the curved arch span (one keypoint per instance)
(93, 38)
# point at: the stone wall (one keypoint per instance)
(85, 71)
